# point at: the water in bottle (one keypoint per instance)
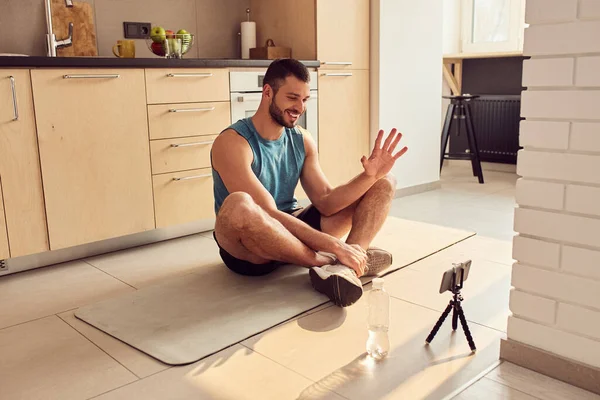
(378, 344)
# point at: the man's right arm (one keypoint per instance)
(232, 159)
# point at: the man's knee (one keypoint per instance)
(387, 185)
(238, 210)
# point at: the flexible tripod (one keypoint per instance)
(458, 312)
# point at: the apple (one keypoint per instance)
(170, 34)
(186, 39)
(158, 49)
(158, 34)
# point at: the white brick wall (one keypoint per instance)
(583, 199)
(581, 168)
(585, 137)
(587, 71)
(548, 72)
(589, 9)
(555, 299)
(543, 11)
(532, 307)
(544, 135)
(567, 104)
(555, 285)
(540, 194)
(554, 340)
(558, 39)
(536, 252)
(583, 262)
(580, 320)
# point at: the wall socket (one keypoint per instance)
(136, 30)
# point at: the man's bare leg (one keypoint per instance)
(248, 233)
(364, 218)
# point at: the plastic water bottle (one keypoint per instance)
(378, 344)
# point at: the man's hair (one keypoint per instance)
(280, 69)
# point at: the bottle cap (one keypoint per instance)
(378, 283)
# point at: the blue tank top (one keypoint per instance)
(277, 164)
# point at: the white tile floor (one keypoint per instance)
(46, 353)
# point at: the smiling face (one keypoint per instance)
(288, 102)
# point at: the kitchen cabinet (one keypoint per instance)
(190, 119)
(183, 197)
(343, 123)
(24, 212)
(4, 251)
(187, 85)
(94, 151)
(187, 109)
(343, 33)
(171, 155)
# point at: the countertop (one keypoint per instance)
(113, 62)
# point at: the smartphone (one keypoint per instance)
(450, 279)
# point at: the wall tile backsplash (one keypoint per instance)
(215, 24)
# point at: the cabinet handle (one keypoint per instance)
(184, 75)
(177, 110)
(88, 76)
(14, 96)
(192, 144)
(185, 178)
(338, 74)
(337, 63)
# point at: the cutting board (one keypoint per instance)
(84, 30)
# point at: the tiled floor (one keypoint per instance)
(46, 353)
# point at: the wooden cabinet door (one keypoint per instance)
(20, 166)
(94, 151)
(4, 252)
(182, 197)
(343, 33)
(343, 123)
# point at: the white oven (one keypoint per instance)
(246, 92)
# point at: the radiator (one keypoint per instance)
(496, 119)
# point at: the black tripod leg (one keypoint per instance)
(455, 317)
(463, 322)
(446, 132)
(476, 162)
(439, 323)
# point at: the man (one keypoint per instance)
(257, 163)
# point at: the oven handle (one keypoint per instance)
(244, 97)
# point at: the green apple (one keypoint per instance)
(158, 34)
(186, 39)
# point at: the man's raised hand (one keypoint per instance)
(382, 159)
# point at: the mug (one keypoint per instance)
(126, 49)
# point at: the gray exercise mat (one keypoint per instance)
(190, 317)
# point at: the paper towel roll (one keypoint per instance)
(248, 38)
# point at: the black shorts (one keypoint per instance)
(310, 215)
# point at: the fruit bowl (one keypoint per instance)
(170, 45)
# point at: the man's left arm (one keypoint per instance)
(329, 200)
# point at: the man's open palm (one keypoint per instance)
(382, 159)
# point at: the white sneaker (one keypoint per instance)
(337, 282)
(377, 261)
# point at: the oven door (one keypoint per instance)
(244, 105)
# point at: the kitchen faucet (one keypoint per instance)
(51, 43)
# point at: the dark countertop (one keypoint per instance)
(113, 62)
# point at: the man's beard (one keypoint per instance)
(278, 115)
